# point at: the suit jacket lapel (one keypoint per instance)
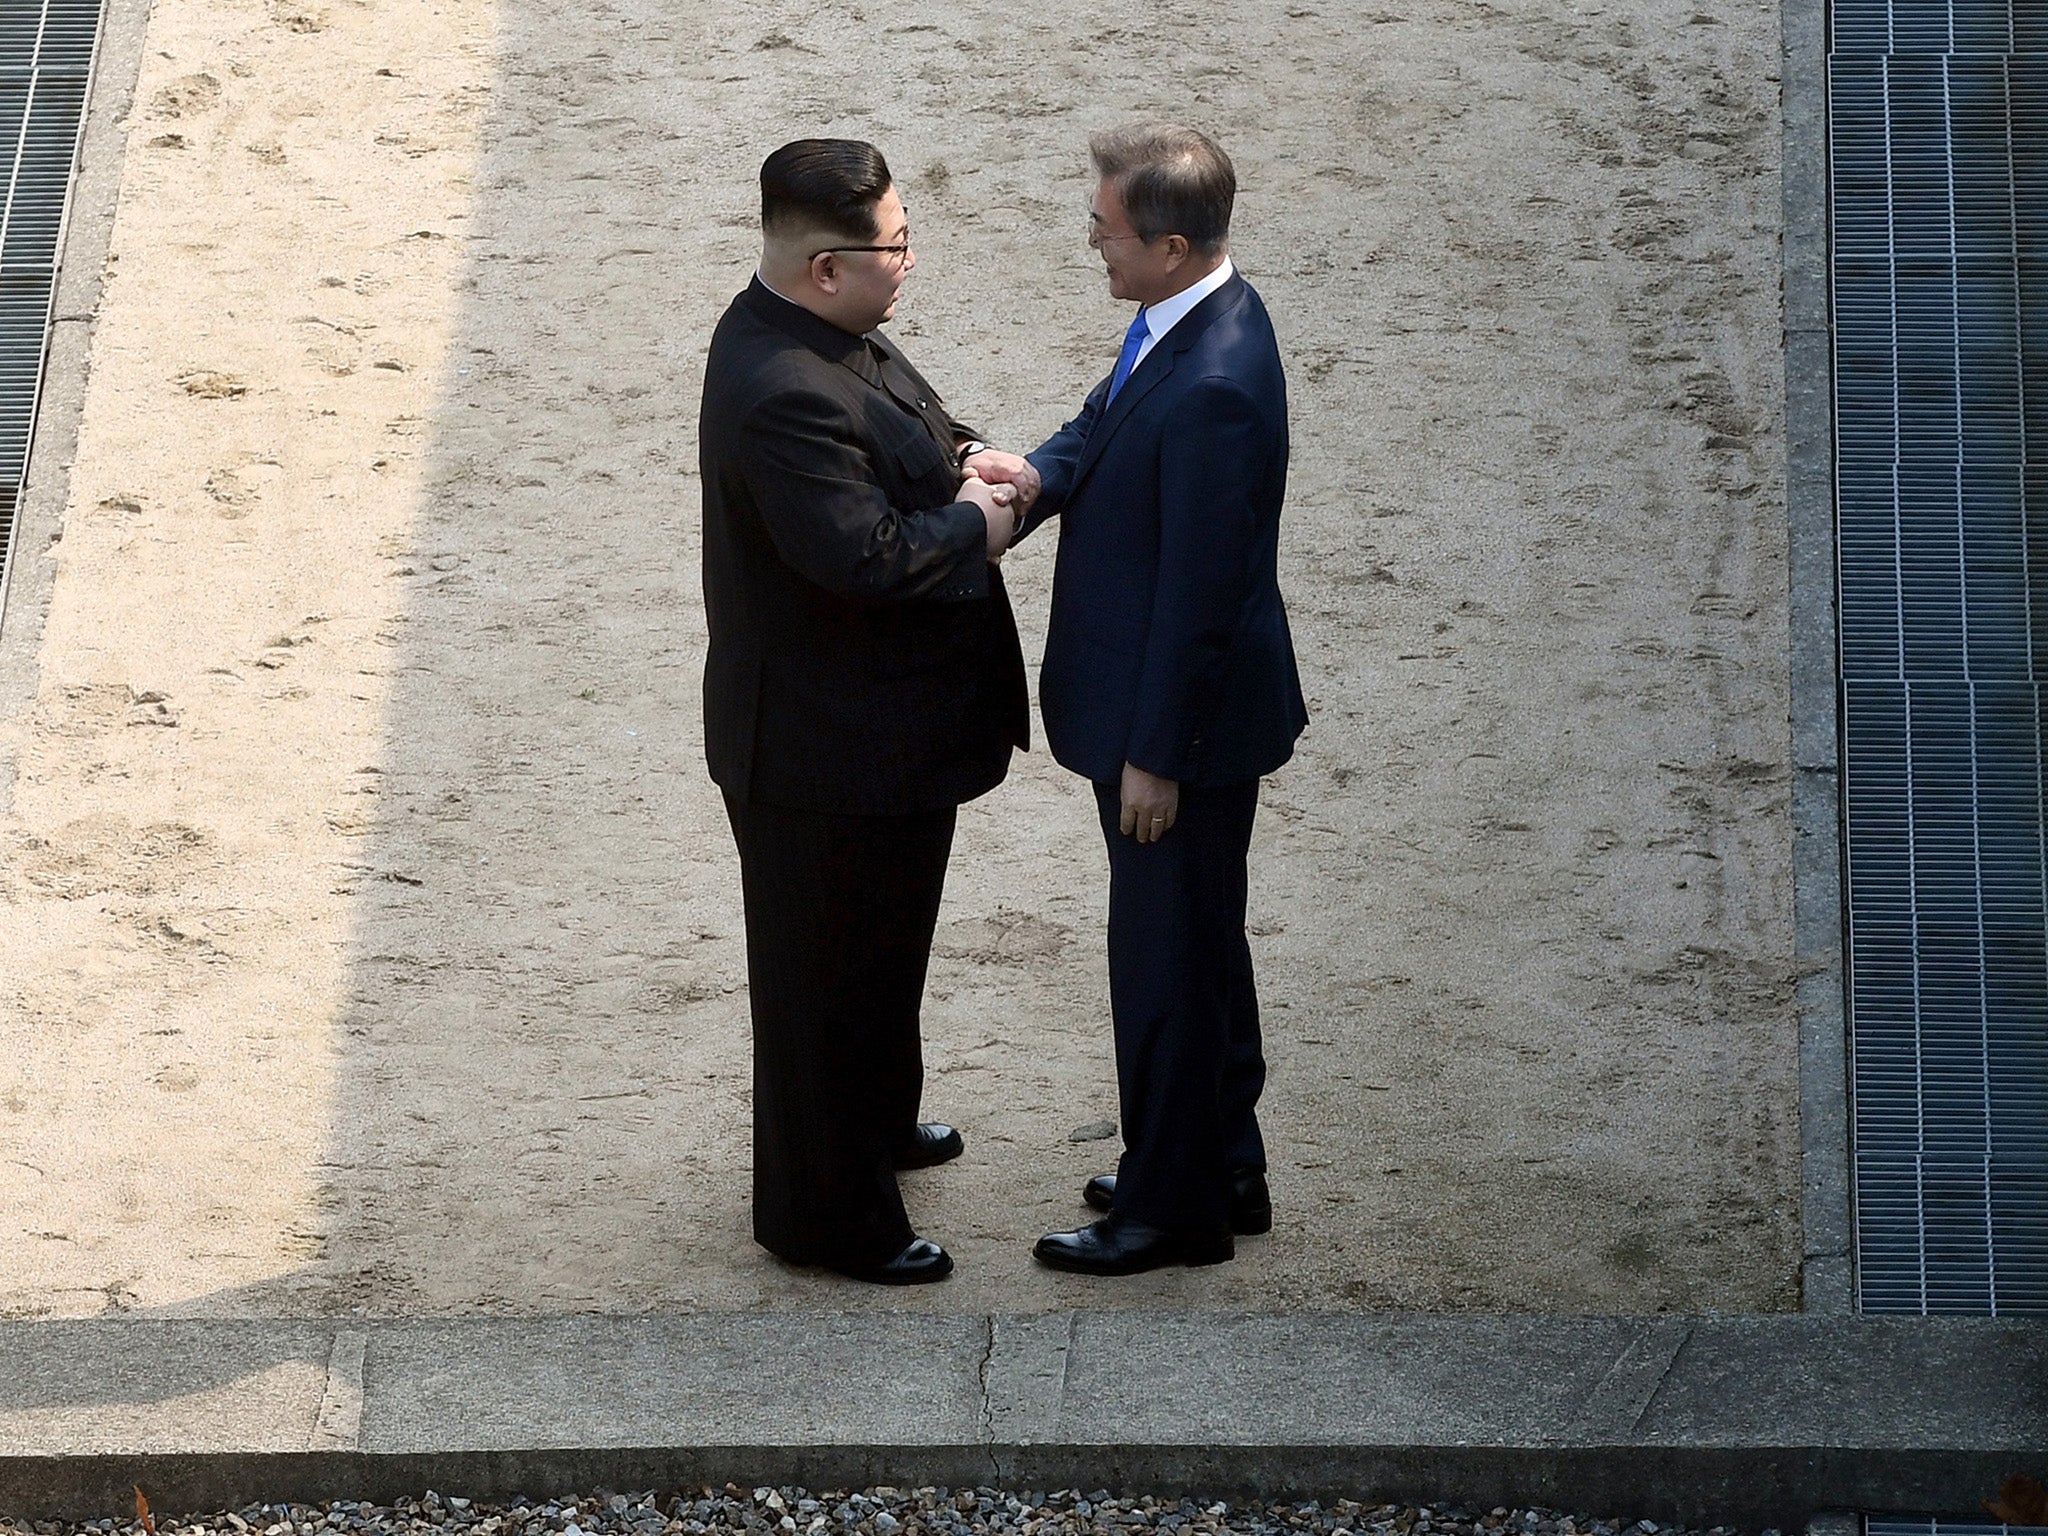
(1145, 378)
(1154, 370)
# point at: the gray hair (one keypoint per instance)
(1171, 180)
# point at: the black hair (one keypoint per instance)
(829, 184)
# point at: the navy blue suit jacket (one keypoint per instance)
(1168, 645)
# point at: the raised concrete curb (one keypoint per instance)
(1827, 1269)
(1749, 1420)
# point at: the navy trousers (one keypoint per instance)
(1188, 1064)
(840, 915)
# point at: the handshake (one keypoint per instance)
(1003, 485)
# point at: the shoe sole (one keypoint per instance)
(1197, 1260)
(900, 1277)
(928, 1159)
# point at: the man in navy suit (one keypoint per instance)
(1169, 681)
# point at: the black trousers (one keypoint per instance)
(840, 912)
(1188, 1064)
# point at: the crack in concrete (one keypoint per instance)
(1670, 1363)
(988, 1409)
(1059, 1403)
(338, 1423)
(1627, 1387)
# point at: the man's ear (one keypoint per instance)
(825, 273)
(1177, 249)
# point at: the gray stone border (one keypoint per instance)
(82, 258)
(1828, 1267)
(1747, 1420)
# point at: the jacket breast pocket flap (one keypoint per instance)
(916, 454)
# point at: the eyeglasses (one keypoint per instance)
(1097, 237)
(900, 252)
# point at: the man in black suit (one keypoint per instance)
(863, 680)
(1169, 680)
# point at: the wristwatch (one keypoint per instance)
(971, 447)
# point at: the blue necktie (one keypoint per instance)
(1127, 359)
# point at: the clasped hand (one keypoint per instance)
(1003, 485)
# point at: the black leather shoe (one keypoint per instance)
(1251, 1206)
(920, 1263)
(1117, 1245)
(930, 1144)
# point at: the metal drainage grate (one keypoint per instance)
(46, 53)
(1938, 121)
(1872, 1526)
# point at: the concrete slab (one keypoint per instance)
(1803, 169)
(1827, 1280)
(1758, 1420)
(751, 1379)
(144, 1386)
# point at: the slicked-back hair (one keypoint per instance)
(828, 184)
(1172, 181)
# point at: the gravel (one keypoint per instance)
(868, 1512)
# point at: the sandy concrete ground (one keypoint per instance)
(372, 929)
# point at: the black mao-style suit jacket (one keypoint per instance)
(863, 658)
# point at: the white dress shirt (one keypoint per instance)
(1167, 313)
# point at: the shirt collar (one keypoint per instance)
(1167, 313)
(762, 279)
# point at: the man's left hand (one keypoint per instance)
(999, 468)
(1000, 517)
(1150, 804)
